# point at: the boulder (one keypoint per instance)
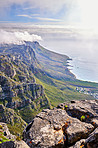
(52, 128)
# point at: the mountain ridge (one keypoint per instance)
(33, 78)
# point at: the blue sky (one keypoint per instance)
(37, 11)
(72, 12)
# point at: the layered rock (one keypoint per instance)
(90, 142)
(84, 108)
(9, 116)
(55, 127)
(58, 127)
(17, 83)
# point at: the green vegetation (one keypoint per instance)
(2, 137)
(61, 91)
(29, 112)
(82, 118)
(16, 129)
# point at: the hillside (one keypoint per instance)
(33, 78)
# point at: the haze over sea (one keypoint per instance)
(83, 49)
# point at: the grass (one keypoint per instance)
(3, 138)
(61, 92)
(16, 129)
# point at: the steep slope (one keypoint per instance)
(54, 64)
(15, 123)
(18, 89)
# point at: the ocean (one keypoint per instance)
(82, 50)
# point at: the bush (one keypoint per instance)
(18, 138)
(66, 106)
(82, 118)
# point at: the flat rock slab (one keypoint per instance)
(55, 128)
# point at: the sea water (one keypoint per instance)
(83, 51)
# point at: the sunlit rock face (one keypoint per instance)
(58, 127)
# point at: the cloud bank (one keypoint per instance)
(17, 37)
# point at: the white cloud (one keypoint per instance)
(17, 37)
(48, 19)
(24, 15)
(35, 16)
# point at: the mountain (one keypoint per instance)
(33, 78)
(55, 65)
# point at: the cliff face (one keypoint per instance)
(55, 65)
(62, 127)
(18, 88)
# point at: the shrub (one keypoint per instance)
(66, 106)
(82, 118)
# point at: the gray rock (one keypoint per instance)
(92, 140)
(55, 127)
(6, 131)
(87, 108)
(14, 144)
(78, 144)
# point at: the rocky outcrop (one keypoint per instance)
(87, 109)
(57, 128)
(7, 140)
(17, 84)
(6, 131)
(90, 142)
(9, 116)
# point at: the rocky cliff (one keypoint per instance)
(71, 125)
(18, 88)
(57, 63)
(21, 98)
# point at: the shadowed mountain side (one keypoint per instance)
(54, 64)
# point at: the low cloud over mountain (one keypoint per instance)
(17, 37)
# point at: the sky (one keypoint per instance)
(79, 13)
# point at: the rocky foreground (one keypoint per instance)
(70, 125)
